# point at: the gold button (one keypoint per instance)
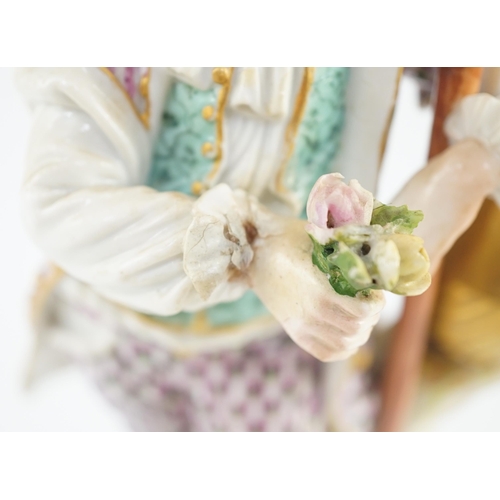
(208, 112)
(207, 149)
(220, 75)
(197, 188)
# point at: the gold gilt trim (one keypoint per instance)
(293, 124)
(143, 90)
(390, 116)
(222, 76)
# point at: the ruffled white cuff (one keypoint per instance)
(217, 245)
(477, 116)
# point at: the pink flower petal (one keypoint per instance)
(332, 204)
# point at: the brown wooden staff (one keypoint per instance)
(401, 374)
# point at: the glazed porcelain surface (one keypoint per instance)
(173, 203)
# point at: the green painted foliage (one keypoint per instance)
(402, 219)
(350, 261)
(326, 259)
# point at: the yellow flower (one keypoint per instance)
(414, 277)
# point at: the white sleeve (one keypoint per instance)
(85, 204)
(477, 116)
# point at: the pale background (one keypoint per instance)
(65, 401)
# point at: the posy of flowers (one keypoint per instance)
(361, 244)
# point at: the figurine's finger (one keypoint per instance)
(358, 338)
(350, 339)
(347, 324)
(318, 340)
(323, 340)
(325, 351)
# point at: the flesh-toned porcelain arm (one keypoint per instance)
(450, 191)
(83, 204)
(327, 325)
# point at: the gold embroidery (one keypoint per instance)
(293, 125)
(143, 90)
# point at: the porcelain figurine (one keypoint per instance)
(186, 280)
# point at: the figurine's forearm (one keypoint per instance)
(82, 205)
(450, 191)
(85, 203)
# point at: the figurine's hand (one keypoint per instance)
(327, 325)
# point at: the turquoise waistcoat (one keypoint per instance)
(179, 162)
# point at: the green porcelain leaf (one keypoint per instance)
(351, 266)
(319, 256)
(340, 284)
(326, 259)
(401, 218)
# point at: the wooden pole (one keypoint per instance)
(407, 348)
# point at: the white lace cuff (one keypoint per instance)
(476, 116)
(217, 245)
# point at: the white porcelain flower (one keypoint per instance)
(362, 244)
(332, 204)
(414, 277)
(371, 256)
